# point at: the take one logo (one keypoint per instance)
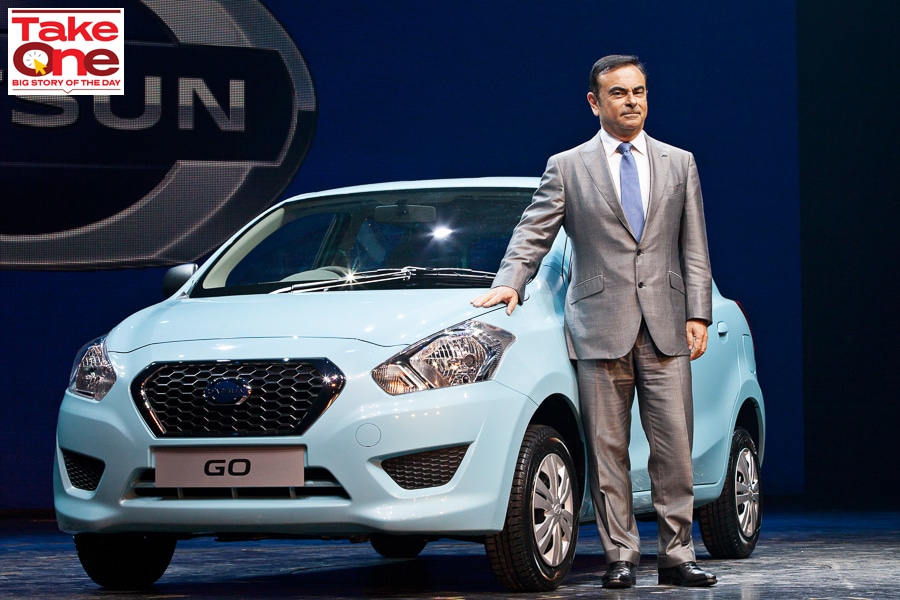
(217, 115)
(57, 51)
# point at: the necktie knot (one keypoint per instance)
(625, 147)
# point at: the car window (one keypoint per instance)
(333, 239)
(289, 249)
(374, 242)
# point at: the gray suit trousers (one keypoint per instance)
(663, 385)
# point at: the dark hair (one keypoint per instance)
(608, 63)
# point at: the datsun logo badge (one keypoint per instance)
(227, 392)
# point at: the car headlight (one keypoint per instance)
(92, 374)
(465, 353)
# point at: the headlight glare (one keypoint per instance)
(466, 353)
(92, 374)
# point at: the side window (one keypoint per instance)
(290, 249)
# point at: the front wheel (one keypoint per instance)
(730, 525)
(124, 561)
(535, 550)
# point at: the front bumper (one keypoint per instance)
(348, 489)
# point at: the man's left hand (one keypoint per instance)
(697, 337)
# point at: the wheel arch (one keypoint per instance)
(750, 418)
(557, 411)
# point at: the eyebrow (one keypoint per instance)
(622, 87)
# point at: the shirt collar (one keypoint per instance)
(610, 144)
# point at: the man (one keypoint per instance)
(637, 311)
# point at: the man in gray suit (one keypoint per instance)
(637, 311)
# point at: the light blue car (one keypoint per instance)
(324, 374)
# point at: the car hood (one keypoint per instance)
(383, 317)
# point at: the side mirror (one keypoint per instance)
(177, 277)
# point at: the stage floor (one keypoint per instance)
(800, 555)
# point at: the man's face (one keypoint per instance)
(621, 103)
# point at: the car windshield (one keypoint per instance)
(430, 238)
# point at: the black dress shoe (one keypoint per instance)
(620, 574)
(688, 575)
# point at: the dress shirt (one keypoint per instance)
(641, 159)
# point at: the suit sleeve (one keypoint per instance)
(534, 235)
(695, 250)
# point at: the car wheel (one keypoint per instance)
(535, 550)
(397, 546)
(127, 561)
(730, 525)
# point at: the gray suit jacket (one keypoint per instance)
(615, 280)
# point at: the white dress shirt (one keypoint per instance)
(641, 159)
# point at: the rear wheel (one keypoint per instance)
(535, 550)
(397, 546)
(124, 561)
(730, 525)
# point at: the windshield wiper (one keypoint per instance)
(386, 275)
(375, 276)
(455, 273)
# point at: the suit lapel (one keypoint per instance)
(659, 175)
(594, 157)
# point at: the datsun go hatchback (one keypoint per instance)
(324, 374)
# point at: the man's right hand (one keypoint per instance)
(497, 295)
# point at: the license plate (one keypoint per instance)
(229, 467)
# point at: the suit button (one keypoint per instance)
(641, 284)
(639, 252)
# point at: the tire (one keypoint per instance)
(730, 525)
(128, 561)
(397, 546)
(535, 549)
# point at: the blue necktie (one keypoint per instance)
(631, 190)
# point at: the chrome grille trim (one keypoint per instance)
(286, 397)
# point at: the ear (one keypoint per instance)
(595, 103)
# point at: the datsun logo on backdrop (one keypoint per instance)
(215, 118)
(66, 51)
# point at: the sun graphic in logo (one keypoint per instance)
(37, 60)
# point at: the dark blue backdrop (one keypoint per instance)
(414, 90)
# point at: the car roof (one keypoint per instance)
(426, 184)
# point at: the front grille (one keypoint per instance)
(282, 397)
(318, 483)
(425, 469)
(84, 471)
